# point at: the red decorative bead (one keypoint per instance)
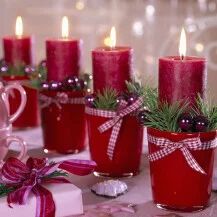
(200, 123)
(185, 122)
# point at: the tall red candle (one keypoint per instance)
(181, 79)
(18, 48)
(18, 51)
(63, 58)
(63, 55)
(112, 66)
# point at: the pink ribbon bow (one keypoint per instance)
(60, 98)
(26, 178)
(184, 146)
(116, 121)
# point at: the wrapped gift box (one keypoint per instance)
(67, 198)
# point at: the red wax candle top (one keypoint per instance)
(181, 79)
(17, 50)
(63, 58)
(111, 67)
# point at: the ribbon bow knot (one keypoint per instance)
(116, 121)
(60, 98)
(26, 178)
(184, 146)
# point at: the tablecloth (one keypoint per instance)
(139, 186)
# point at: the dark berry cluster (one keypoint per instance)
(130, 98)
(198, 123)
(3, 66)
(142, 116)
(70, 83)
(26, 70)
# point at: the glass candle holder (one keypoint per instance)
(175, 185)
(30, 117)
(64, 124)
(127, 151)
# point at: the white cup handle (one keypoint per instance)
(21, 107)
(21, 142)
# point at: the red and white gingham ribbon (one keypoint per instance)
(115, 122)
(184, 146)
(60, 98)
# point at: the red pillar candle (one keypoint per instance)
(18, 51)
(112, 66)
(63, 56)
(182, 77)
(18, 48)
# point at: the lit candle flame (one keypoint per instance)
(19, 26)
(112, 37)
(65, 27)
(182, 44)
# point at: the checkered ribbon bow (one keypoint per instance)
(116, 121)
(184, 146)
(60, 98)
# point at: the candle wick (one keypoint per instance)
(182, 57)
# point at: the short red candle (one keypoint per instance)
(63, 58)
(111, 67)
(181, 79)
(17, 50)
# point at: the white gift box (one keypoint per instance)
(67, 198)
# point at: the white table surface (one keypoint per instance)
(139, 186)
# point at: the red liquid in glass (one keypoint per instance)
(64, 130)
(127, 152)
(30, 116)
(175, 185)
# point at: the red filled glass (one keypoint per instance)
(128, 148)
(30, 116)
(175, 185)
(64, 128)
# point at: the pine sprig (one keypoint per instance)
(39, 77)
(56, 174)
(150, 99)
(107, 100)
(4, 190)
(135, 87)
(17, 70)
(165, 116)
(207, 109)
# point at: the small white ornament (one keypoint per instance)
(110, 188)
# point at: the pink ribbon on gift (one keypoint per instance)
(116, 121)
(60, 98)
(184, 146)
(26, 178)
